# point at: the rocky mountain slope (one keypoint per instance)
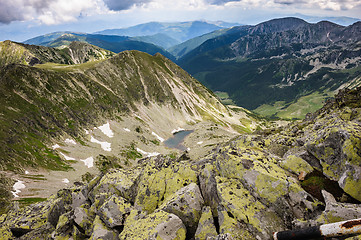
(301, 175)
(279, 61)
(105, 112)
(75, 53)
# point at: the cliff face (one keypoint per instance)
(303, 174)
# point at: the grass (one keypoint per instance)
(224, 97)
(296, 110)
(23, 202)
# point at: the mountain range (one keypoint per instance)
(49, 95)
(85, 134)
(275, 65)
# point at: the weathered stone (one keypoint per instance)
(44, 232)
(84, 218)
(335, 211)
(187, 204)
(5, 233)
(102, 232)
(79, 197)
(114, 211)
(206, 228)
(64, 228)
(242, 206)
(338, 148)
(158, 225)
(231, 228)
(118, 181)
(208, 186)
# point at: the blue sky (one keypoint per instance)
(23, 19)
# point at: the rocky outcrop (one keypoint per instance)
(247, 188)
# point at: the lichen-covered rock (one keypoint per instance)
(6, 234)
(338, 148)
(231, 228)
(155, 226)
(242, 206)
(64, 228)
(206, 228)
(160, 179)
(208, 186)
(37, 215)
(79, 197)
(102, 232)
(336, 211)
(84, 218)
(187, 204)
(42, 233)
(114, 211)
(118, 181)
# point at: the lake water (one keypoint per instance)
(177, 140)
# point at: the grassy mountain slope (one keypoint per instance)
(278, 62)
(110, 42)
(74, 53)
(50, 100)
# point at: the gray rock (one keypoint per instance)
(187, 204)
(102, 232)
(158, 225)
(206, 228)
(114, 211)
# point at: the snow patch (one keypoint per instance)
(70, 141)
(106, 130)
(157, 136)
(199, 143)
(17, 188)
(105, 145)
(55, 146)
(188, 149)
(65, 180)
(153, 154)
(89, 162)
(66, 157)
(126, 129)
(86, 131)
(178, 130)
(26, 172)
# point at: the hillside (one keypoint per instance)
(278, 66)
(53, 115)
(109, 42)
(301, 175)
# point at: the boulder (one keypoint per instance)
(102, 232)
(187, 204)
(158, 225)
(206, 228)
(114, 211)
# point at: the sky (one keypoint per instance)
(24, 19)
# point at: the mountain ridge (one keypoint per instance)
(272, 58)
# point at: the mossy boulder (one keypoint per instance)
(118, 181)
(155, 226)
(114, 211)
(102, 232)
(338, 148)
(187, 204)
(206, 228)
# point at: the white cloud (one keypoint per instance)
(60, 11)
(48, 11)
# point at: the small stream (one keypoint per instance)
(177, 140)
